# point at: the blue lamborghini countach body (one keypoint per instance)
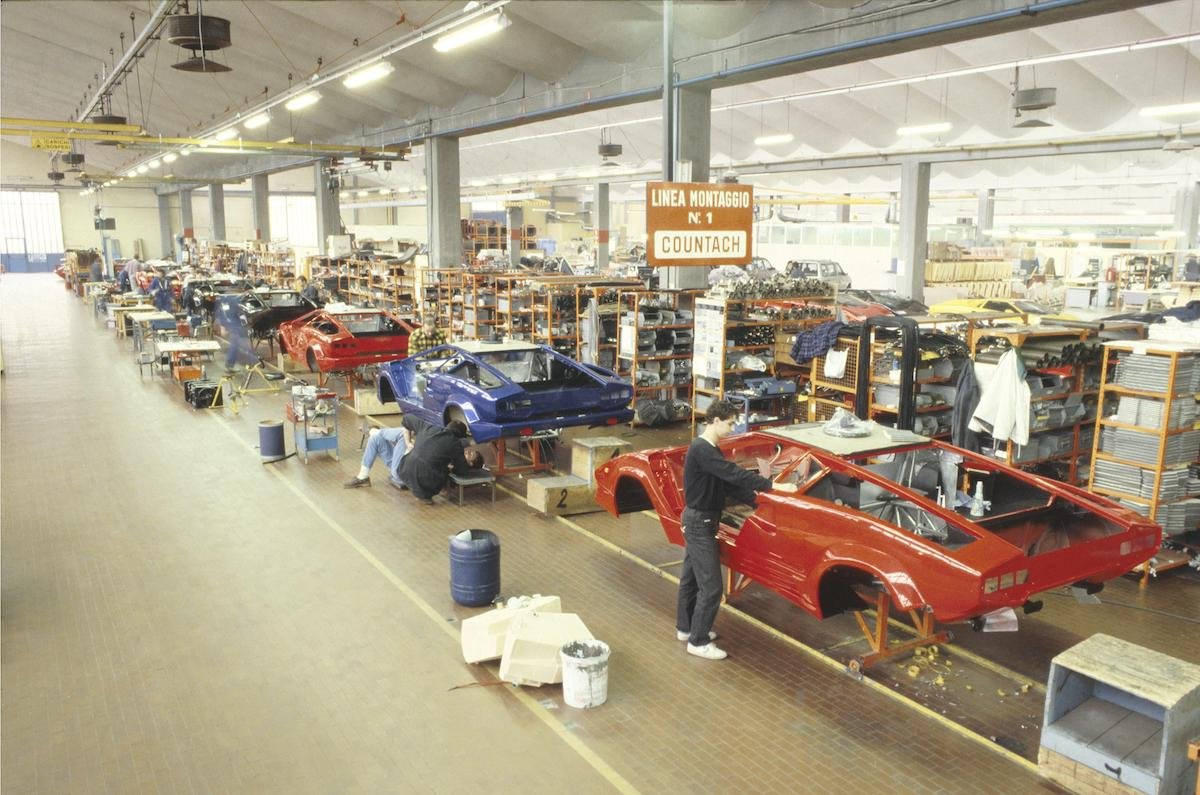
(504, 389)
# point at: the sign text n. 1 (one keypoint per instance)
(697, 223)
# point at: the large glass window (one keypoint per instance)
(294, 218)
(31, 236)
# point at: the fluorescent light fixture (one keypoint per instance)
(1168, 233)
(510, 181)
(344, 194)
(473, 32)
(924, 129)
(1082, 236)
(170, 157)
(131, 173)
(226, 134)
(384, 191)
(1182, 109)
(1135, 212)
(477, 183)
(773, 140)
(369, 74)
(590, 173)
(143, 168)
(302, 101)
(257, 120)
(363, 193)
(546, 177)
(155, 163)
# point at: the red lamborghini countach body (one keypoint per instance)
(342, 338)
(868, 515)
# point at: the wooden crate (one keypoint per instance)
(561, 496)
(590, 452)
(187, 372)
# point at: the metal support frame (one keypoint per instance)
(877, 635)
(534, 442)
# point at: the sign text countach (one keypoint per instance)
(696, 223)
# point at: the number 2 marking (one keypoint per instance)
(562, 499)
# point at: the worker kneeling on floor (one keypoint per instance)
(420, 456)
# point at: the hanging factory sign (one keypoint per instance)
(50, 142)
(698, 223)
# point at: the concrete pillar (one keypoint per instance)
(985, 216)
(693, 130)
(1187, 207)
(602, 226)
(260, 207)
(843, 213)
(166, 242)
(669, 115)
(445, 226)
(216, 209)
(914, 229)
(185, 214)
(329, 206)
(515, 220)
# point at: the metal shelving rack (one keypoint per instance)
(634, 361)
(1156, 453)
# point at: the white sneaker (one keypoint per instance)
(684, 635)
(708, 651)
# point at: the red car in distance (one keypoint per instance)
(868, 519)
(342, 338)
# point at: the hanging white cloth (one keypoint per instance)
(1003, 409)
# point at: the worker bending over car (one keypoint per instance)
(419, 456)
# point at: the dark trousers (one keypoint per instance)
(700, 581)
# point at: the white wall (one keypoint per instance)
(135, 208)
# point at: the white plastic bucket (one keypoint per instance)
(585, 673)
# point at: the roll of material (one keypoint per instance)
(270, 440)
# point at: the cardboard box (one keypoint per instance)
(187, 372)
(591, 452)
(532, 646)
(561, 496)
(483, 636)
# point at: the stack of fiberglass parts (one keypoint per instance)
(1138, 451)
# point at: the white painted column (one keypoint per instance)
(1187, 207)
(602, 226)
(185, 214)
(442, 208)
(515, 220)
(260, 206)
(216, 210)
(914, 229)
(166, 243)
(985, 215)
(693, 124)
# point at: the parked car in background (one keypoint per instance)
(856, 310)
(823, 269)
(504, 389)
(898, 304)
(867, 517)
(341, 337)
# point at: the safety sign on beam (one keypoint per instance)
(50, 142)
(697, 223)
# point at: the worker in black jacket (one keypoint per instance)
(707, 477)
(435, 452)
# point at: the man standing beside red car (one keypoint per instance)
(707, 475)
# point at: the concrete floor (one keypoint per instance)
(178, 616)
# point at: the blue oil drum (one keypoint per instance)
(270, 440)
(474, 567)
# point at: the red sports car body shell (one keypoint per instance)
(335, 346)
(791, 542)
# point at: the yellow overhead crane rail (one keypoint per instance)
(57, 135)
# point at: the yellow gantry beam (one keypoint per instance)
(131, 134)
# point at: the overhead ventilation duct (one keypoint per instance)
(201, 33)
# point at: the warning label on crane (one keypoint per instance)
(697, 223)
(50, 142)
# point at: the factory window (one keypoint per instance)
(31, 237)
(294, 218)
